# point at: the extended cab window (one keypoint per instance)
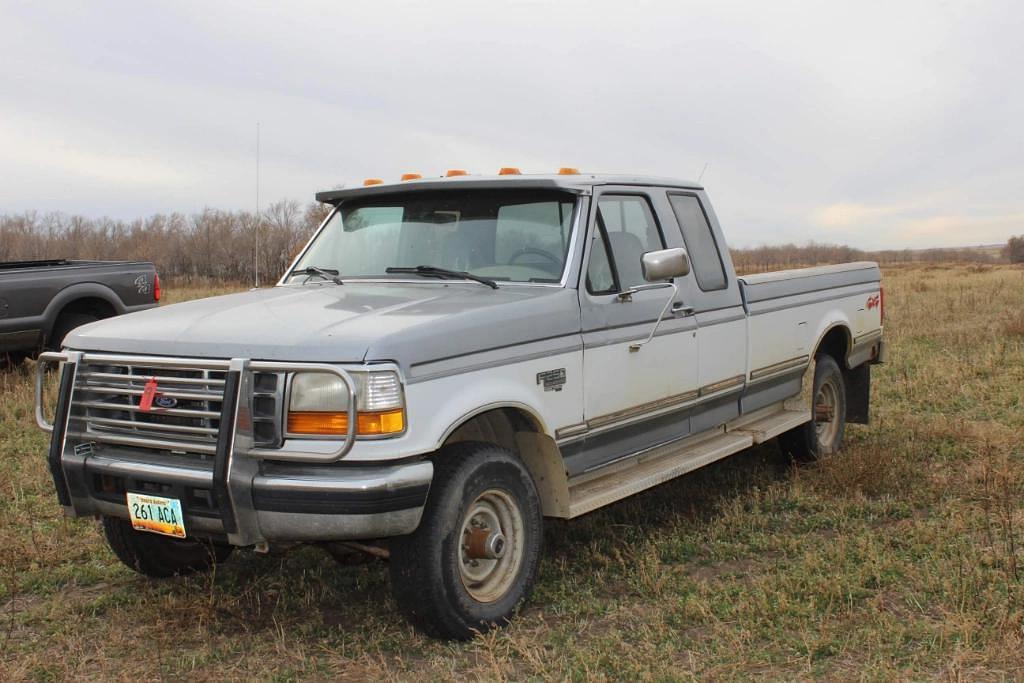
(505, 235)
(626, 226)
(705, 258)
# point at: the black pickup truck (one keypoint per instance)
(41, 301)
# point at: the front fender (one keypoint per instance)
(437, 407)
(446, 403)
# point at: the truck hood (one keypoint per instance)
(355, 322)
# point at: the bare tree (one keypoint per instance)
(1015, 249)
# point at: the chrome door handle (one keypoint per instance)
(679, 308)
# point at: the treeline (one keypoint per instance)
(221, 245)
(215, 245)
(778, 257)
(1015, 249)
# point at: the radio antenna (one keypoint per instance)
(258, 220)
(702, 171)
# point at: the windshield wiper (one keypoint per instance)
(434, 271)
(326, 273)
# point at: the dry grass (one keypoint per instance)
(1014, 324)
(899, 558)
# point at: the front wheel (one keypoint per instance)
(475, 556)
(161, 556)
(824, 433)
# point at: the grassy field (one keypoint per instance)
(901, 557)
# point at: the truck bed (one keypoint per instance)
(41, 300)
(61, 264)
(789, 315)
(783, 283)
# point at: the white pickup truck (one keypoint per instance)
(446, 363)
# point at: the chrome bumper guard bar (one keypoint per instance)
(252, 507)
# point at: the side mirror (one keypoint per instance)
(665, 264)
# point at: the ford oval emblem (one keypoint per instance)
(163, 401)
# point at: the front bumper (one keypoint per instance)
(236, 493)
(288, 502)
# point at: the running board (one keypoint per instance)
(762, 427)
(643, 471)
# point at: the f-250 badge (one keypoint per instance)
(553, 380)
(142, 284)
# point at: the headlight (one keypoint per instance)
(318, 404)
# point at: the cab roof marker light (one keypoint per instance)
(411, 176)
(453, 172)
(568, 170)
(509, 170)
(373, 181)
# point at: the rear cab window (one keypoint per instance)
(705, 256)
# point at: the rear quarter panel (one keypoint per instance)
(787, 323)
(35, 297)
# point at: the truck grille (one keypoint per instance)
(185, 415)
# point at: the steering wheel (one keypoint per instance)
(557, 260)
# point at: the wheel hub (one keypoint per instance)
(491, 545)
(825, 424)
(483, 543)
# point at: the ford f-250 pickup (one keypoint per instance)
(41, 301)
(446, 363)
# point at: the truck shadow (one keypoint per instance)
(305, 587)
(693, 498)
(11, 362)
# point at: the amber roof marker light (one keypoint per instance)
(373, 181)
(568, 170)
(453, 172)
(411, 176)
(509, 170)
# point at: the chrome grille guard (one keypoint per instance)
(235, 455)
(234, 392)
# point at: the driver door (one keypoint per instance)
(631, 397)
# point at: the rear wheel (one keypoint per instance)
(65, 323)
(161, 556)
(475, 556)
(824, 433)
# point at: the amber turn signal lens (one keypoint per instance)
(319, 423)
(568, 170)
(509, 170)
(452, 172)
(385, 422)
(373, 181)
(411, 176)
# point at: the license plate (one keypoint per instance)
(156, 514)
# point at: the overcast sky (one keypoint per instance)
(886, 124)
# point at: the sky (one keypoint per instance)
(875, 124)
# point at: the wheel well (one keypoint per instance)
(857, 381)
(519, 432)
(101, 308)
(835, 343)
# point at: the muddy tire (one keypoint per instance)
(161, 556)
(824, 433)
(476, 554)
(65, 323)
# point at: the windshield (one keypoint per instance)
(505, 235)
